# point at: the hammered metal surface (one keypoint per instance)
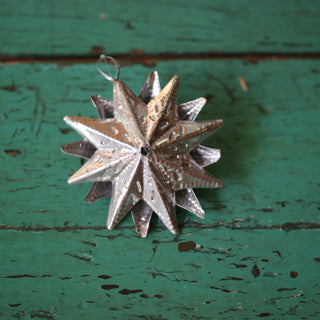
(144, 151)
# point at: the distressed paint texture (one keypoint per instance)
(256, 254)
(87, 27)
(269, 143)
(242, 261)
(242, 274)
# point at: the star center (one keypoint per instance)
(145, 150)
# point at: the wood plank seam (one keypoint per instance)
(154, 58)
(285, 226)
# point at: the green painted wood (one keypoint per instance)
(230, 274)
(59, 262)
(87, 27)
(269, 144)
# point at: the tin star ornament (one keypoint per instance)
(144, 152)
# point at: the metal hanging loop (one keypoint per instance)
(105, 59)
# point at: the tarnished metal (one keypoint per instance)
(144, 152)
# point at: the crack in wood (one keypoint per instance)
(288, 226)
(151, 59)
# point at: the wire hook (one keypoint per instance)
(105, 59)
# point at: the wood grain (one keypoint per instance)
(81, 28)
(269, 143)
(226, 274)
(255, 255)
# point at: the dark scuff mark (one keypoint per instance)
(299, 225)
(231, 309)
(269, 209)
(12, 152)
(294, 274)
(229, 91)
(90, 243)
(186, 246)
(255, 271)
(277, 252)
(13, 305)
(264, 108)
(216, 205)
(22, 188)
(89, 301)
(154, 250)
(42, 314)
(175, 239)
(248, 258)
(227, 290)
(156, 272)
(129, 26)
(239, 265)
(21, 276)
(83, 257)
(286, 289)
(295, 45)
(264, 314)
(143, 295)
(265, 260)
(282, 203)
(85, 275)
(231, 278)
(19, 315)
(316, 259)
(127, 291)
(66, 278)
(103, 276)
(16, 129)
(65, 130)
(109, 286)
(196, 266)
(111, 236)
(10, 88)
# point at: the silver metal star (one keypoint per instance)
(145, 153)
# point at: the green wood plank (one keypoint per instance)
(85, 27)
(270, 148)
(231, 274)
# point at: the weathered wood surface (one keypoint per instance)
(113, 275)
(256, 254)
(269, 143)
(243, 261)
(36, 27)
